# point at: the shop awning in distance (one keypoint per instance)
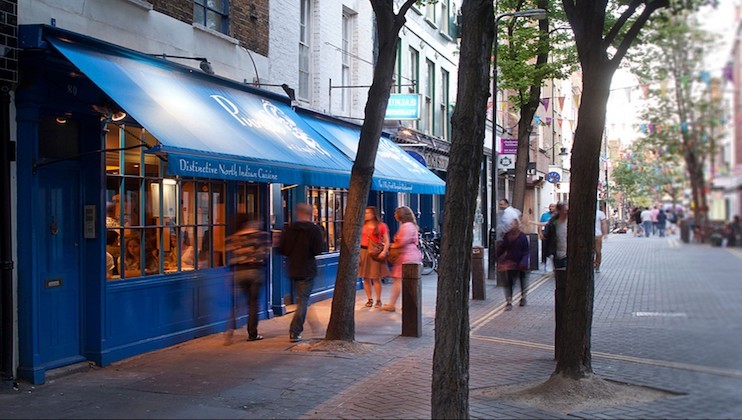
(209, 126)
(394, 169)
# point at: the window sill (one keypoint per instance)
(446, 36)
(431, 23)
(416, 10)
(216, 33)
(141, 4)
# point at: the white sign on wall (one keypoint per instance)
(505, 162)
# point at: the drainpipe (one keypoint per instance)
(7, 154)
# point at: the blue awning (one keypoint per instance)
(209, 126)
(395, 169)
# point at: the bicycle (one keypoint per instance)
(429, 245)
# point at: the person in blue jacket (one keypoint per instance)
(517, 250)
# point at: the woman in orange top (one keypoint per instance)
(369, 269)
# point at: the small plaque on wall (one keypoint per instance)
(89, 221)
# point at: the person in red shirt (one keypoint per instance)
(372, 266)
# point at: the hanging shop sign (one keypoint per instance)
(403, 106)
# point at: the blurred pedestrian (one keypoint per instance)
(372, 266)
(249, 248)
(601, 232)
(406, 239)
(517, 251)
(543, 221)
(301, 241)
(661, 223)
(646, 216)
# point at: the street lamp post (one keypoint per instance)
(530, 13)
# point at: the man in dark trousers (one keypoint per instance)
(249, 250)
(301, 241)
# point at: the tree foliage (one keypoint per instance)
(684, 110)
(529, 54)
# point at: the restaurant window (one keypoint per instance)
(328, 206)
(157, 224)
(213, 14)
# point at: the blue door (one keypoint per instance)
(58, 234)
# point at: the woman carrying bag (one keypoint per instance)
(374, 248)
(405, 241)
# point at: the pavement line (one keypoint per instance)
(652, 362)
(475, 325)
(736, 252)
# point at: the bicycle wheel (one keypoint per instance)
(428, 261)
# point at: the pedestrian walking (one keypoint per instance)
(655, 225)
(406, 239)
(372, 266)
(248, 250)
(301, 241)
(636, 219)
(661, 223)
(543, 221)
(517, 251)
(601, 232)
(646, 217)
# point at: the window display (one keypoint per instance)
(149, 232)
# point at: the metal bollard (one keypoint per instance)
(412, 300)
(478, 291)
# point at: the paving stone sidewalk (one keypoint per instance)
(666, 316)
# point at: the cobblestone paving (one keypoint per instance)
(667, 316)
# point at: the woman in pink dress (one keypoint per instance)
(406, 238)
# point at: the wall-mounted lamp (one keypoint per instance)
(205, 65)
(110, 111)
(563, 152)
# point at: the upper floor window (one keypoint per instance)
(345, 61)
(213, 14)
(444, 125)
(430, 12)
(304, 37)
(429, 98)
(443, 19)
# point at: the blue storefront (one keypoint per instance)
(130, 171)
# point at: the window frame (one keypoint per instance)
(305, 33)
(223, 15)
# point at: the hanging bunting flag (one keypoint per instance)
(536, 120)
(561, 103)
(559, 121)
(643, 128)
(545, 103)
(684, 127)
(705, 77)
(663, 87)
(728, 72)
(548, 120)
(645, 90)
(576, 98)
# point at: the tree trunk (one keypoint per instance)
(342, 316)
(575, 359)
(450, 384)
(524, 148)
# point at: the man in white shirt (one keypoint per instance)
(601, 231)
(646, 216)
(509, 219)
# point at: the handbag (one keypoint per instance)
(393, 255)
(374, 249)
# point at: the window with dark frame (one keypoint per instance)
(213, 14)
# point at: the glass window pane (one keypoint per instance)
(130, 207)
(199, 14)
(152, 251)
(219, 245)
(188, 203)
(131, 254)
(113, 253)
(132, 157)
(188, 253)
(202, 203)
(217, 201)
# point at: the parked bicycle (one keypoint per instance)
(429, 245)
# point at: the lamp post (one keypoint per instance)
(530, 13)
